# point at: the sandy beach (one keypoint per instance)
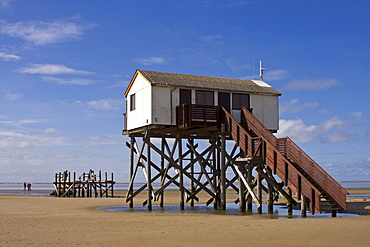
(50, 221)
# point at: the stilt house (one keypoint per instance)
(186, 113)
(152, 98)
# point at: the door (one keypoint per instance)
(224, 100)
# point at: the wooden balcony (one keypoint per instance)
(197, 116)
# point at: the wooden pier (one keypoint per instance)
(88, 184)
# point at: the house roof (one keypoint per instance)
(163, 79)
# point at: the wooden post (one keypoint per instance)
(131, 203)
(223, 168)
(181, 174)
(270, 206)
(334, 213)
(149, 170)
(55, 184)
(74, 184)
(214, 174)
(192, 173)
(112, 186)
(249, 181)
(83, 185)
(100, 185)
(106, 184)
(60, 184)
(290, 206)
(69, 184)
(259, 192)
(304, 206)
(161, 202)
(242, 201)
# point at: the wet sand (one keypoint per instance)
(46, 221)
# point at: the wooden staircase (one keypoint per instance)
(293, 166)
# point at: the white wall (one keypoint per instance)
(266, 109)
(142, 115)
(161, 106)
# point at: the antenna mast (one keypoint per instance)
(261, 71)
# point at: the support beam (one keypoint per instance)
(149, 170)
(304, 206)
(223, 168)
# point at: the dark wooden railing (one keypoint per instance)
(248, 132)
(190, 116)
(326, 183)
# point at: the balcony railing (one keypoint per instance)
(192, 116)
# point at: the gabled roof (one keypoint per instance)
(163, 79)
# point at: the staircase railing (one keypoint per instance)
(251, 128)
(326, 183)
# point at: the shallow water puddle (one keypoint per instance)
(279, 212)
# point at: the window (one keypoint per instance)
(204, 97)
(240, 100)
(185, 96)
(132, 102)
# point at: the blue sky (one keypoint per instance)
(64, 66)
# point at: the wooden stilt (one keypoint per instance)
(223, 168)
(181, 175)
(242, 202)
(132, 139)
(161, 195)
(249, 181)
(149, 170)
(192, 184)
(334, 213)
(270, 206)
(290, 206)
(304, 206)
(259, 192)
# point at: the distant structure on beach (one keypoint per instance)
(88, 184)
(211, 134)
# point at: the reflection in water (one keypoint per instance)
(280, 211)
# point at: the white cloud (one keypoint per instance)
(276, 74)
(21, 122)
(9, 57)
(50, 130)
(328, 131)
(52, 69)
(297, 130)
(13, 139)
(213, 39)
(150, 60)
(42, 33)
(103, 140)
(70, 81)
(356, 114)
(312, 84)
(104, 104)
(293, 106)
(13, 96)
(342, 136)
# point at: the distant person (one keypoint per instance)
(29, 186)
(24, 185)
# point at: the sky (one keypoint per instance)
(64, 66)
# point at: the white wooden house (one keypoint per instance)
(152, 97)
